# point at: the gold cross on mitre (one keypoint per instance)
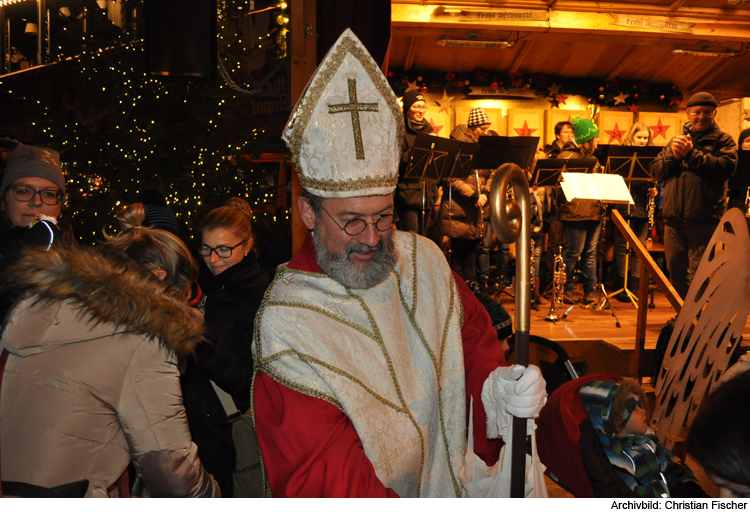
(354, 107)
(328, 148)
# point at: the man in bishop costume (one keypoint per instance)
(368, 348)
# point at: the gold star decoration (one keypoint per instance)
(621, 98)
(554, 89)
(412, 85)
(445, 103)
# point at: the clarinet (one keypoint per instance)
(481, 209)
(651, 213)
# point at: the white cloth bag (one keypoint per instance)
(479, 481)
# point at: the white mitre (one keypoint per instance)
(345, 130)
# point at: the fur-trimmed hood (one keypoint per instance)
(101, 288)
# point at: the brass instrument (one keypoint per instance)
(747, 202)
(559, 277)
(511, 221)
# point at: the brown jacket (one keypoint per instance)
(92, 380)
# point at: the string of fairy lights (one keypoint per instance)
(187, 139)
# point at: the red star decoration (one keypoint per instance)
(633, 108)
(436, 127)
(615, 134)
(525, 131)
(675, 99)
(660, 129)
(561, 98)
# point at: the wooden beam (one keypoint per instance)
(647, 261)
(410, 53)
(589, 22)
(713, 73)
(674, 6)
(630, 55)
(304, 61)
(521, 54)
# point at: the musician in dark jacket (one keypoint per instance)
(413, 197)
(694, 168)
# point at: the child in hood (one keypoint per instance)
(618, 418)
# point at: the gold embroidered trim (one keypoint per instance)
(310, 99)
(460, 303)
(414, 271)
(310, 359)
(417, 328)
(361, 183)
(323, 312)
(446, 330)
(299, 388)
(392, 371)
(354, 107)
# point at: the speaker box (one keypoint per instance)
(181, 37)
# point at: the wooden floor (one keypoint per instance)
(594, 337)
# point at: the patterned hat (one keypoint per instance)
(32, 161)
(345, 130)
(584, 129)
(477, 117)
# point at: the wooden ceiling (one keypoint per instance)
(581, 39)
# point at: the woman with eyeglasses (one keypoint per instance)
(638, 217)
(233, 285)
(32, 194)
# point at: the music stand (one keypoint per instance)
(548, 171)
(496, 151)
(632, 163)
(431, 157)
(603, 188)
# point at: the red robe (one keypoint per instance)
(311, 449)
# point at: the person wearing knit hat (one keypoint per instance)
(694, 167)
(32, 193)
(586, 135)
(580, 218)
(464, 211)
(477, 125)
(347, 335)
(33, 185)
(414, 198)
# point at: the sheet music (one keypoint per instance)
(608, 188)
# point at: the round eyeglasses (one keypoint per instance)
(702, 113)
(25, 194)
(222, 251)
(355, 227)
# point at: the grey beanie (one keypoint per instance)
(702, 98)
(33, 161)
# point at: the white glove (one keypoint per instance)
(515, 390)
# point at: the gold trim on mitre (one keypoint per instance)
(345, 131)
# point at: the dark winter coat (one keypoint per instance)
(694, 185)
(460, 218)
(553, 150)
(409, 191)
(578, 210)
(232, 299)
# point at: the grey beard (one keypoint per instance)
(340, 268)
